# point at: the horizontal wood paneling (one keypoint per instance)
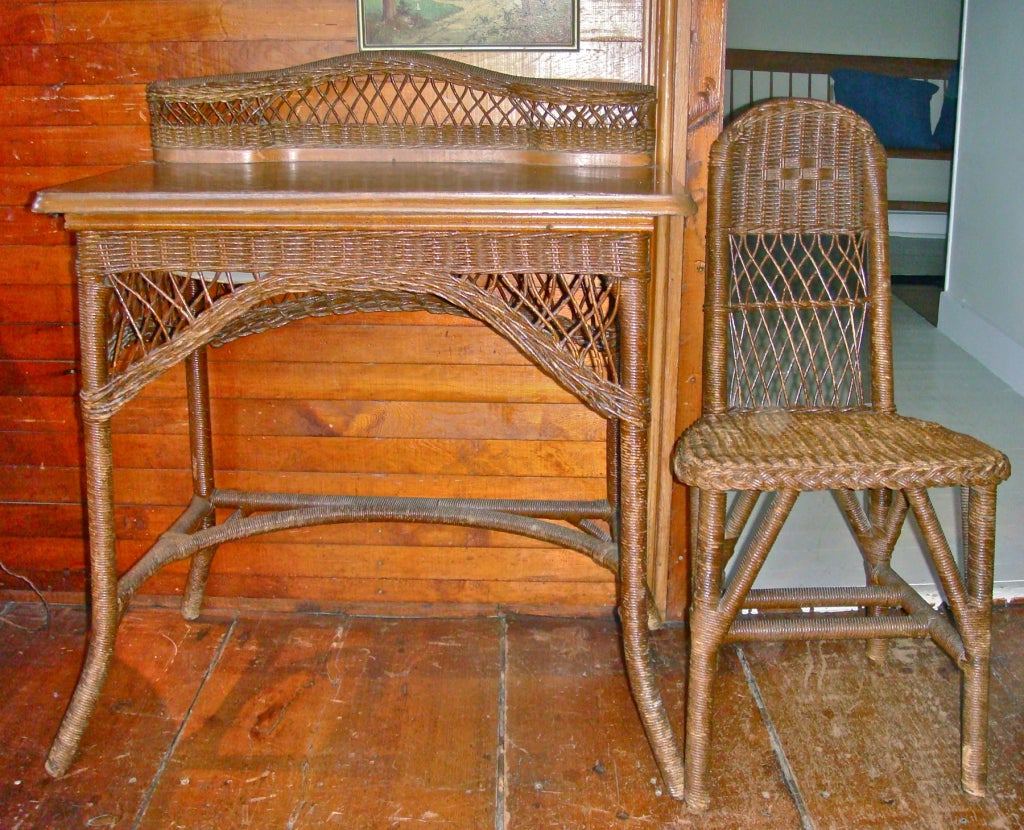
(149, 21)
(33, 342)
(392, 381)
(400, 419)
(496, 563)
(19, 226)
(418, 456)
(49, 303)
(38, 414)
(362, 404)
(169, 486)
(39, 264)
(40, 377)
(73, 105)
(140, 63)
(77, 145)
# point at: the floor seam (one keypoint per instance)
(158, 774)
(788, 778)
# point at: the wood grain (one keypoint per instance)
(385, 391)
(19, 184)
(341, 722)
(159, 665)
(337, 720)
(703, 119)
(883, 742)
(73, 105)
(576, 753)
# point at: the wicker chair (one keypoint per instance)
(798, 396)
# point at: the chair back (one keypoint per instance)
(797, 309)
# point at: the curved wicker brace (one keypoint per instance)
(282, 511)
(511, 282)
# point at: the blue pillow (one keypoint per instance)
(946, 128)
(898, 109)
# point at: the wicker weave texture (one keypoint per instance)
(399, 99)
(799, 226)
(772, 450)
(798, 396)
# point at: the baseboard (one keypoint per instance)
(997, 352)
(1007, 592)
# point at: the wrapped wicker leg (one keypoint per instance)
(200, 434)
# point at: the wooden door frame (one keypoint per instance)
(686, 63)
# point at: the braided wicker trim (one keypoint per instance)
(399, 100)
(778, 449)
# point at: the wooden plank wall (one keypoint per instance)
(363, 404)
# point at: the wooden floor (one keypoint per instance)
(296, 721)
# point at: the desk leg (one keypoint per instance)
(198, 388)
(614, 467)
(104, 612)
(633, 544)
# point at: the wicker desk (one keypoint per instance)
(177, 256)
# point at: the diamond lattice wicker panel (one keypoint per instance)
(798, 312)
(399, 99)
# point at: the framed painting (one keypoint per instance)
(448, 25)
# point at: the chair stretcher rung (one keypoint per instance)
(826, 627)
(779, 598)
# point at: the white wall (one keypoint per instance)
(982, 309)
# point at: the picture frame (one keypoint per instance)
(459, 25)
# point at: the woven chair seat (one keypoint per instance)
(771, 450)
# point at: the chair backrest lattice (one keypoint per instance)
(399, 100)
(797, 307)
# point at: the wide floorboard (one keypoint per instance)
(261, 720)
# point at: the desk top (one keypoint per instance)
(271, 192)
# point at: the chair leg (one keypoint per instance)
(974, 723)
(713, 610)
(701, 677)
(970, 600)
(705, 640)
(876, 526)
(200, 438)
(878, 501)
(979, 520)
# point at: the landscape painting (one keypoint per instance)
(468, 24)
